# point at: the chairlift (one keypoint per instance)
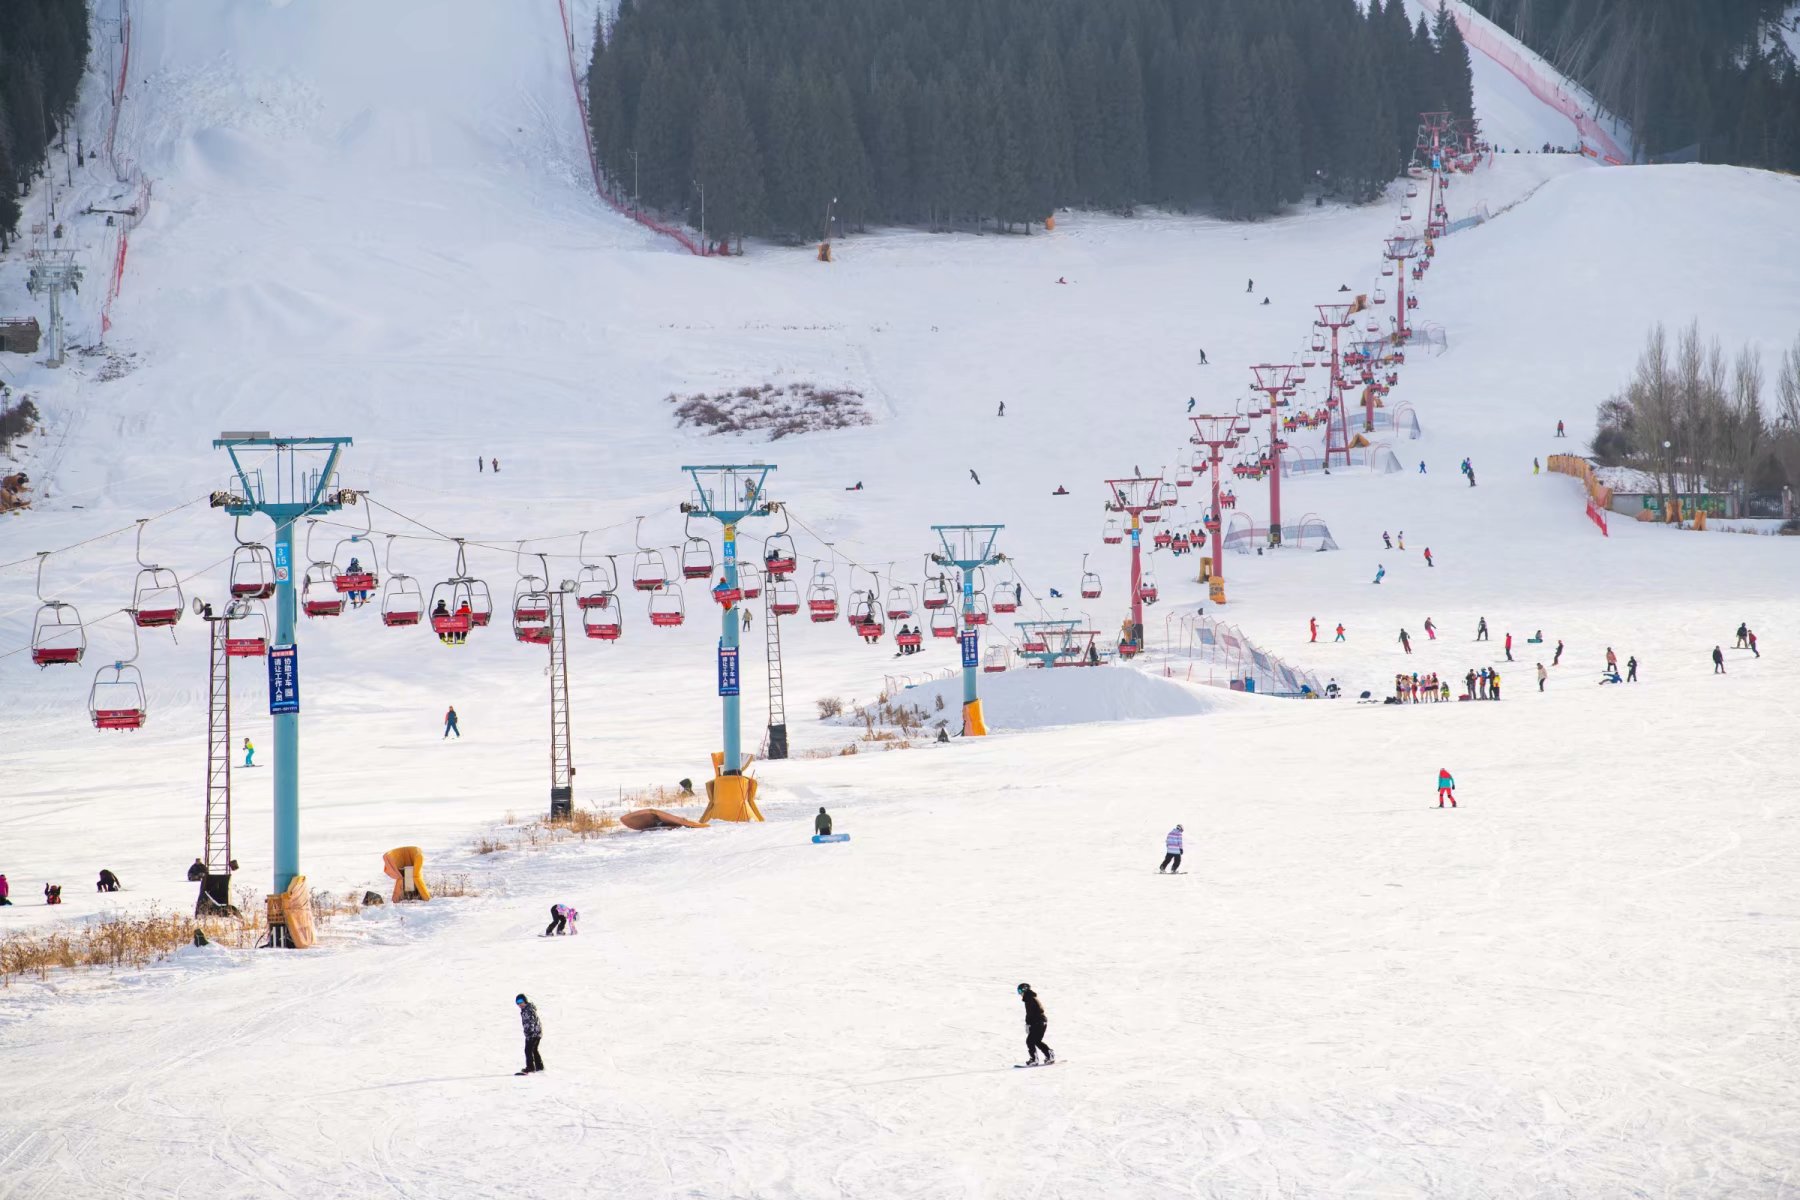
(1380, 294)
(667, 607)
(1387, 268)
(979, 609)
(648, 572)
(118, 702)
(1031, 641)
(531, 618)
(943, 623)
(402, 600)
(937, 592)
(1372, 325)
(867, 617)
(780, 559)
(319, 596)
(252, 570)
(1090, 582)
(1151, 516)
(899, 603)
(156, 599)
(910, 639)
(602, 621)
(1113, 532)
(247, 635)
(750, 579)
(453, 602)
(994, 659)
(696, 558)
(595, 581)
(57, 635)
(351, 576)
(1406, 212)
(1412, 190)
(822, 599)
(1008, 596)
(1147, 586)
(784, 597)
(862, 600)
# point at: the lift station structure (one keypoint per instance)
(969, 548)
(1135, 496)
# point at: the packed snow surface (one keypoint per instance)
(376, 221)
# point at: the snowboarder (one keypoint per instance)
(974, 476)
(1380, 571)
(108, 882)
(1405, 642)
(1557, 660)
(1753, 650)
(1190, 404)
(1002, 411)
(534, 1033)
(450, 723)
(1631, 669)
(1386, 540)
(1203, 363)
(1542, 675)
(1430, 630)
(1060, 490)
(1559, 430)
(855, 487)
(480, 464)
(943, 733)
(1250, 286)
(1534, 466)
(1742, 632)
(1481, 634)
(1718, 661)
(822, 823)
(1172, 858)
(1340, 632)
(496, 465)
(1509, 656)
(1265, 299)
(1035, 1025)
(1400, 539)
(1428, 561)
(562, 920)
(1446, 787)
(249, 753)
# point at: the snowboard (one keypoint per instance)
(1028, 1066)
(830, 837)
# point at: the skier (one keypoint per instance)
(974, 476)
(5, 892)
(1742, 633)
(1718, 661)
(1250, 286)
(822, 823)
(1035, 1024)
(1446, 787)
(1631, 669)
(534, 1033)
(1380, 571)
(108, 882)
(1557, 661)
(1386, 540)
(1002, 411)
(562, 920)
(450, 723)
(1340, 632)
(1509, 656)
(1542, 675)
(1421, 466)
(1405, 642)
(496, 465)
(1430, 630)
(1191, 400)
(1428, 561)
(1481, 633)
(1400, 539)
(1534, 466)
(1559, 430)
(1172, 859)
(1312, 623)
(480, 464)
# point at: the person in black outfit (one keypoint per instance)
(1035, 1024)
(197, 872)
(108, 881)
(822, 823)
(534, 1033)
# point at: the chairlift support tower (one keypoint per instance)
(729, 494)
(1136, 496)
(969, 548)
(53, 272)
(1336, 317)
(285, 492)
(562, 754)
(1400, 250)
(1218, 433)
(1273, 381)
(1056, 636)
(215, 885)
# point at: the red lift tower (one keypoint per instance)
(1434, 152)
(1275, 382)
(1218, 434)
(1335, 317)
(1136, 496)
(1399, 250)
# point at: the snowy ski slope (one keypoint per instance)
(376, 221)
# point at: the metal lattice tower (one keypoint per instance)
(1218, 433)
(778, 739)
(215, 887)
(562, 763)
(1275, 382)
(1335, 317)
(1400, 250)
(52, 273)
(1135, 496)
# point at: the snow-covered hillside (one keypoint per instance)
(377, 221)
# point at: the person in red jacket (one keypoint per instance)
(1312, 624)
(1446, 787)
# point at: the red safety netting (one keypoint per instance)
(125, 171)
(1539, 78)
(671, 231)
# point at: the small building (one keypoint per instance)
(19, 335)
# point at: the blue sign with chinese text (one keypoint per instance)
(284, 680)
(728, 671)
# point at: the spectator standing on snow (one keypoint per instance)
(1718, 661)
(1250, 285)
(1172, 848)
(1481, 634)
(822, 823)
(450, 723)
(1493, 685)
(1446, 787)
(1559, 430)
(534, 1033)
(1631, 669)
(1542, 675)
(1509, 656)
(1035, 1025)
(496, 465)
(1400, 539)
(480, 464)
(1612, 662)
(5, 892)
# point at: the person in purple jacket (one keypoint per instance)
(1172, 860)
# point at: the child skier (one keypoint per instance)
(1035, 1025)
(249, 753)
(1340, 632)
(562, 920)
(1172, 845)
(450, 723)
(1446, 787)
(534, 1033)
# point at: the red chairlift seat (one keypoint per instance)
(57, 636)
(914, 639)
(749, 580)
(1033, 644)
(1090, 586)
(943, 623)
(118, 703)
(899, 604)
(993, 661)
(937, 593)
(355, 581)
(821, 604)
(1163, 539)
(648, 574)
(1128, 649)
(697, 559)
(319, 596)
(667, 608)
(784, 600)
(252, 572)
(156, 600)
(601, 622)
(246, 647)
(780, 559)
(1151, 516)
(1006, 599)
